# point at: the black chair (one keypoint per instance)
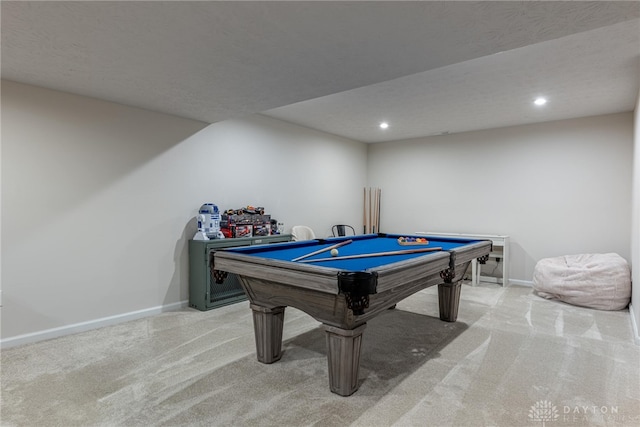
(343, 230)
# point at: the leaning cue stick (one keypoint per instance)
(364, 212)
(370, 213)
(375, 254)
(372, 206)
(375, 212)
(378, 211)
(346, 242)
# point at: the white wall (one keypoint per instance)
(635, 227)
(99, 199)
(556, 188)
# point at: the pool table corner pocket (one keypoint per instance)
(356, 287)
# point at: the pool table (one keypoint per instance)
(346, 290)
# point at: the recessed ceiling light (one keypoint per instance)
(540, 101)
(384, 125)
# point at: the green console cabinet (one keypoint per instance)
(204, 292)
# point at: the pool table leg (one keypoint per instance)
(267, 326)
(449, 300)
(343, 356)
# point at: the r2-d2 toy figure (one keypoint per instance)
(208, 223)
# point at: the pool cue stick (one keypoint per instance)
(378, 214)
(374, 227)
(375, 213)
(364, 211)
(376, 254)
(373, 210)
(370, 213)
(367, 211)
(346, 242)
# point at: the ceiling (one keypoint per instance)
(427, 68)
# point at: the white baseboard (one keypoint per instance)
(89, 325)
(489, 279)
(527, 283)
(634, 325)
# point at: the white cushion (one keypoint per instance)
(601, 281)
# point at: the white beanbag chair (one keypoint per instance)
(601, 281)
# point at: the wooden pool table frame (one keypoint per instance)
(272, 285)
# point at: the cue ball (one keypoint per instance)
(334, 252)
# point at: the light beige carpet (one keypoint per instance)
(512, 359)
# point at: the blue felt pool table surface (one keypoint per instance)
(361, 244)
